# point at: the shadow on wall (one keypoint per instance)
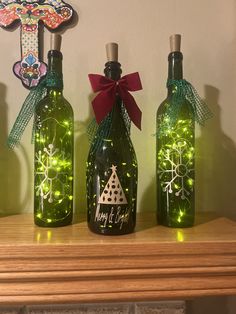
(148, 200)
(215, 163)
(82, 146)
(10, 173)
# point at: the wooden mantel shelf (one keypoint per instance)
(71, 264)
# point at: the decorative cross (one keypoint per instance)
(30, 12)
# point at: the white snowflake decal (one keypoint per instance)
(50, 163)
(176, 163)
(178, 169)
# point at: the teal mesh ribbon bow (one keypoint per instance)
(28, 108)
(183, 90)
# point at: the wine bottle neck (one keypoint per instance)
(55, 76)
(113, 70)
(175, 68)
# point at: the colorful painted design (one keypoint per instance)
(29, 12)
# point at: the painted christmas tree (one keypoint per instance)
(113, 193)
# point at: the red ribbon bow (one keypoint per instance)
(108, 88)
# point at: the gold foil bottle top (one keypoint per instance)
(55, 42)
(112, 52)
(175, 42)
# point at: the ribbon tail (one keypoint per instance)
(201, 110)
(92, 129)
(132, 108)
(25, 115)
(103, 103)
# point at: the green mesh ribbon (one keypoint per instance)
(182, 91)
(96, 133)
(52, 80)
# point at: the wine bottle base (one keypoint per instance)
(176, 225)
(56, 224)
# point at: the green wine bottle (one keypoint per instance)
(175, 152)
(54, 145)
(112, 167)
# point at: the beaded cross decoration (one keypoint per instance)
(52, 13)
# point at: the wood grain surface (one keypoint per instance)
(71, 264)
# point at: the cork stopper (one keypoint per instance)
(175, 42)
(112, 52)
(55, 42)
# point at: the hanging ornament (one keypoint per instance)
(52, 13)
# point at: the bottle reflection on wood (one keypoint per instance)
(112, 168)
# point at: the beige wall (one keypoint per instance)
(142, 29)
